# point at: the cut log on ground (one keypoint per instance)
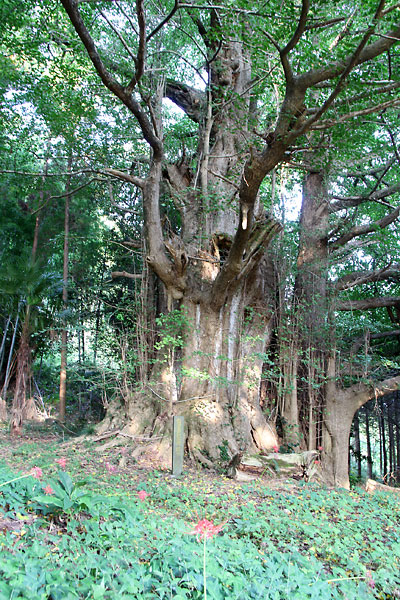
(373, 486)
(249, 467)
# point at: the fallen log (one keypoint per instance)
(373, 486)
(249, 467)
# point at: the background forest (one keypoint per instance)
(199, 216)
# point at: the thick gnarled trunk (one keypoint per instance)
(209, 370)
(221, 376)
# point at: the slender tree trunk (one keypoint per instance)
(384, 461)
(79, 348)
(289, 405)
(83, 342)
(98, 310)
(35, 237)
(3, 342)
(397, 426)
(64, 332)
(3, 404)
(10, 355)
(392, 446)
(357, 446)
(368, 439)
(20, 409)
(380, 446)
(96, 331)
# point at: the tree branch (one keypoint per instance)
(141, 53)
(328, 123)
(138, 181)
(305, 6)
(392, 139)
(360, 393)
(255, 243)
(360, 277)
(349, 201)
(117, 33)
(164, 21)
(287, 69)
(375, 172)
(315, 76)
(368, 303)
(321, 24)
(115, 274)
(71, 8)
(351, 62)
(352, 99)
(368, 228)
(358, 342)
(68, 193)
(390, 8)
(190, 100)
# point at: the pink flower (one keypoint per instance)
(62, 462)
(142, 495)
(275, 448)
(316, 462)
(370, 580)
(205, 529)
(48, 490)
(111, 468)
(320, 448)
(36, 472)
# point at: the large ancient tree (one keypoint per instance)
(255, 83)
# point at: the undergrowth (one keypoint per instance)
(90, 529)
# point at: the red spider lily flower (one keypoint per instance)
(111, 468)
(317, 462)
(36, 472)
(275, 448)
(48, 490)
(320, 448)
(142, 495)
(206, 529)
(62, 462)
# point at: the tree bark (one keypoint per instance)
(341, 406)
(357, 446)
(368, 439)
(23, 376)
(64, 332)
(3, 342)
(397, 426)
(392, 446)
(384, 462)
(305, 361)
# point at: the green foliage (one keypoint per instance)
(224, 452)
(16, 495)
(302, 542)
(67, 497)
(27, 281)
(171, 326)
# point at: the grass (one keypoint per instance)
(100, 540)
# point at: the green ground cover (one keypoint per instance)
(97, 535)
